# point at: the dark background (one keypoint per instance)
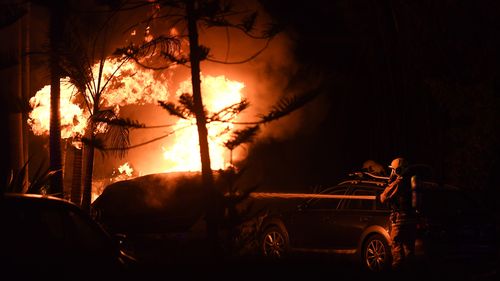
(417, 79)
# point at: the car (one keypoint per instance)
(44, 233)
(345, 219)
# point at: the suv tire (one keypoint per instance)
(376, 254)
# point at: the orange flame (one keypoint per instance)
(73, 118)
(218, 93)
(129, 84)
(126, 169)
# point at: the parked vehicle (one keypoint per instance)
(347, 220)
(47, 233)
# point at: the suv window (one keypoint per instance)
(361, 204)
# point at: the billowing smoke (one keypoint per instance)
(266, 79)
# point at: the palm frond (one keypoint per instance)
(16, 181)
(97, 143)
(167, 46)
(73, 59)
(117, 133)
(41, 185)
(121, 122)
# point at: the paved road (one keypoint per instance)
(185, 260)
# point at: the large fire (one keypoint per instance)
(132, 85)
(218, 93)
(73, 118)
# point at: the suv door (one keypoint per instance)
(311, 226)
(356, 215)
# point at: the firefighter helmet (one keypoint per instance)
(398, 165)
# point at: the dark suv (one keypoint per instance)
(45, 233)
(346, 219)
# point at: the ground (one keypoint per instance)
(184, 260)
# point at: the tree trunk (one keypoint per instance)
(206, 170)
(55, 35)
(89, 169)
(76, 180)
(26, 85)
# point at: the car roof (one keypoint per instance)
(365, 179)
(36, 199)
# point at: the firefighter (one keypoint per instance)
(398, 195)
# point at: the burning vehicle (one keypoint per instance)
(155, 203)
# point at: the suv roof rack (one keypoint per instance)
(367, 175)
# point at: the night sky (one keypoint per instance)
(417, 79)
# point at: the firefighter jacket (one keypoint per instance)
(398, 195)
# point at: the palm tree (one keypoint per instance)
(77, 56)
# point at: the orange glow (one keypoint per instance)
(133, 85)
(184, 155)
(126, 169)
(129, 85)
(73, 118)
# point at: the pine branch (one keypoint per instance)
(248, 23)
(99, 144)
(244, 60)
(175, 110)
(187, 101)
(242, 136)
(168, 47)
(288, 105)
(231, 110)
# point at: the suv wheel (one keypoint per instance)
(376, 253)
(274, 242)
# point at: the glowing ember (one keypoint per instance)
(126, 169)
